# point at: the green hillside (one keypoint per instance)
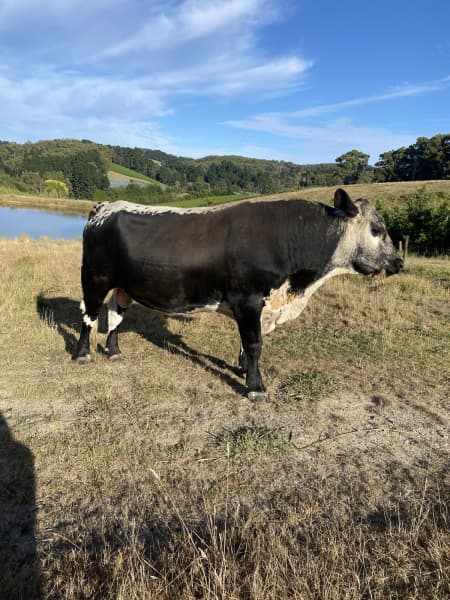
(84, 169)
(129, 175)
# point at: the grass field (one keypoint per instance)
(372, 191)
(132, 175)
(154, 477)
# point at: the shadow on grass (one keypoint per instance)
(19, 572)
(63, 314)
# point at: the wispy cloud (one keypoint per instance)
(13, 12)
(187, 22)
(342, 133)
(134, 66)
(401, 91)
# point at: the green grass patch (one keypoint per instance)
(437, 274)
(306, 385)
(251, 440)
(115, 168)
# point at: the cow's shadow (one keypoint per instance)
(19, 567)
(63, 315)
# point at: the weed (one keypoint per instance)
(251, 440)
(310, 385)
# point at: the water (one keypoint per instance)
(36, 223)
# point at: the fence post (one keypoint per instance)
(405, 252)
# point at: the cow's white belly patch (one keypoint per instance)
(283, 304)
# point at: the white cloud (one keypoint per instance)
(15, 11)
(328, 140)
(274, 76)
(334, 137)
(53, 93)
(74, 69)
(191, 20)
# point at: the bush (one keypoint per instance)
(423, 217)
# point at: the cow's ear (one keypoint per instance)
(344, 204)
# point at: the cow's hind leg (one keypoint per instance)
(247, 312)
(117, 305)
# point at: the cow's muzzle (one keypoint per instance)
(395, 266)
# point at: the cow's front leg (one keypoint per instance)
(242, 361)
(247, 312)
(89, 311)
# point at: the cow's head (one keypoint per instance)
(368, 247)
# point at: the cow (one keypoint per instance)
(258, 261)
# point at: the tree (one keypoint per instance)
(353, 165)
(53, 187)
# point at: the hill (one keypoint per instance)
(120, 176)
(80, 168)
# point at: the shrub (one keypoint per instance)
(423, 217)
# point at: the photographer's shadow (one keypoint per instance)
(64, 315)
(19, 568)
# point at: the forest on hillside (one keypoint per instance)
(79, 169)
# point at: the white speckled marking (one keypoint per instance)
(106, 209)
(283, 305)
(114, 319)
(86, 319)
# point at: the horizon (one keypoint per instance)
(265, 79)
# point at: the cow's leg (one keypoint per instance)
(247, 312)
(93, 296)
(242, 361)
(117, 305)
(89, 310)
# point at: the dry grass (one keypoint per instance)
(153, 477)
(68, 206)
(371, 191)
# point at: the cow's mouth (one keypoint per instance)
(394, 266)
(364, 267)
(391, 267)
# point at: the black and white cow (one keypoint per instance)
(257, 261)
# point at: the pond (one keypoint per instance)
(36, 223)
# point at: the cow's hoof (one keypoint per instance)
(115, 357)
(258, 396)
(82, 360)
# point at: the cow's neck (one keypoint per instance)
(315, 236)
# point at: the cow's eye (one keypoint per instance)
(376, 230)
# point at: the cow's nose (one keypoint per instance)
(400, 263)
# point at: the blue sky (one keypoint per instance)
(302, 81)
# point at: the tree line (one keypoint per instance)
(81, 167)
